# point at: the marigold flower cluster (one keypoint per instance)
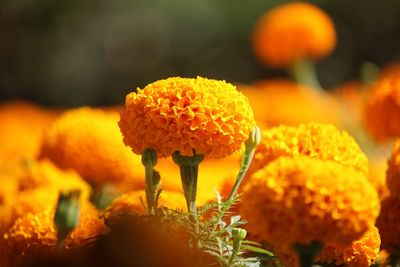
(382, 112)
(303, 199)
(182, 114)
(88, 141)
(323, 141)
(291, 32)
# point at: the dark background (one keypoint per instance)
(92, 52)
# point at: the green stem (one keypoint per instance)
(307, 253)
(149, 160)
(303, 71)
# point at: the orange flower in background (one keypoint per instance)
(291, 32)
(300, 200)
(362, 252)
(133, 203)
(21, 128)
(393, 171)
(88, 141)
(377, 176)
(323, 141)
(388, 224)
(185, 114)
(34, 235)
(382, 111)
(281, 101)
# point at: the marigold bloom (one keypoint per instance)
(88, 140)
(183, 114)
(362, 252)
(393, 171)
(323, 141)
(300, 200)
(133, 203)
(34, 235)
(20, 140)
(388, 224)
(382, 112)
(279, 101)
(293, 31)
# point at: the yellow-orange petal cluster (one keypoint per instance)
(279, 101)
(21, 128)
(382, 111)
(315, 140)
(186, 114)
(393, 171)
(133, 203)
(293, 31)
(388, 224)
(300, 200)
(88, 141)
(362, 252)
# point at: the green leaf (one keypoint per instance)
(257, 250)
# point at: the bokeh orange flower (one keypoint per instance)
(279, 101)
(88, 141)
(382, 111)
(291, 32)
(21, 128)
(185, 114)
(393, 171)
(302, 199)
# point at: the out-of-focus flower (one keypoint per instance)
(280, 101)
(21, 129)
(323, 141)
(393, 171)
(134, 203)
(302, 199)
(377, 176)
(362, 252)
(184, 114)
(46, 175)
(291, 32)
(388, 224)
(88, 140)
(34, 235)
(390, 70)
(382, 111)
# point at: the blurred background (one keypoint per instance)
(92, 52)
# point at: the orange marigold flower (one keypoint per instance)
(133, 203)
(183, 114)
(362, 252)
(388, 224)
(34, 235)
(300, 200)
(280, 101)
(323, 141)
(20, 140)
(382, 112)
(293, 31)
(393, 171)
(88, 140)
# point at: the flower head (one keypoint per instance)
(393, 171)
(293, 31)
(322, 141)
(300, 200)
(183, 114)
(388, 224)
(382, 112)
(88, 141)
(362, 252)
